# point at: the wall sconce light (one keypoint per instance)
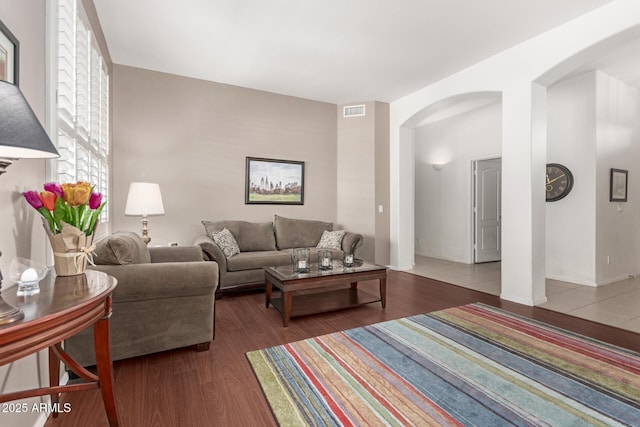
(438, 166)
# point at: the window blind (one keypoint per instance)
(82, 102)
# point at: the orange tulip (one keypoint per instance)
(48, 200)
(69, 192)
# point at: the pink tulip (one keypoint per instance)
(95, 200)
(55, 188)
(33, 198)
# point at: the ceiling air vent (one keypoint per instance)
(353, 111)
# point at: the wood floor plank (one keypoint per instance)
(217, 387)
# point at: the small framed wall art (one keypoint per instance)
(271, 181)
(618, 189)
(9, 55)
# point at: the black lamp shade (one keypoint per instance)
(21, 134)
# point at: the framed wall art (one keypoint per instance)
(9, 55)
(619, 180)
(271, 181)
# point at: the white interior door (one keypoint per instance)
(487, 210)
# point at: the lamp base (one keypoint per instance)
(145, 230)
(9, 313)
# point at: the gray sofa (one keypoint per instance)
(265, 244)
(165, 299)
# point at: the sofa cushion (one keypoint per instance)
(251, 236)
(121, 248)
(226, 242)
(253, 260)
(299, 233)
(331, 240)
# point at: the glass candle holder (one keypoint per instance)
(301, 261)
(324, 260)
(27, 274)
(348, 260)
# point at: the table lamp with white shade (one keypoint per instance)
(21, 137)
(144, 199)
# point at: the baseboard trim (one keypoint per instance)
(44, 416)
(571, 280)
(42, 419)
(609, 281)
(444, 258)
(530, 303)
(592, 284)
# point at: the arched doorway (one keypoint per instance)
(516, 74)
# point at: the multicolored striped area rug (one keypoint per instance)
(473, 365)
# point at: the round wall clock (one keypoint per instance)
(559, 181)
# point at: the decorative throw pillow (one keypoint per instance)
(331, 239)
(226, 242)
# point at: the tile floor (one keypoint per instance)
(616, 304)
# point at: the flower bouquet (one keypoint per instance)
(70, 215)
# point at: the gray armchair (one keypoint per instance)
(164, 299)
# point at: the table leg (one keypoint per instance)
(354, 285)
(54, 379)
(104, 365)
(286, 308)
(268, 288)
(383, 291)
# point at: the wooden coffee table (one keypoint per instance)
(288, 282)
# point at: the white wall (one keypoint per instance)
(618, 146)
(443, 199)
(21, 232)
(593, 126)
(521, 74)
(571, 141)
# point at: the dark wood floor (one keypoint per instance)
(217, 387)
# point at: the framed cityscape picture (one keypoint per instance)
(9, 54)
(271, 181)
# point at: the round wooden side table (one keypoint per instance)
(64, 307)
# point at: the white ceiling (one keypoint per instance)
(337, 51)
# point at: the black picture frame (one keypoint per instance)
(618, 187)
(9, 55)
(274, 182)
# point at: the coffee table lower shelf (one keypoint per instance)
(321, 302)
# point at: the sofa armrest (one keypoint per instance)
(211, 251)
(351, 241)
(175, 253)
(138, 282)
